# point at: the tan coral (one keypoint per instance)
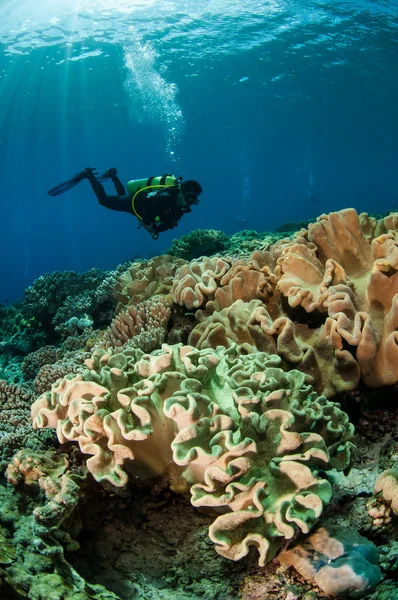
(145, 279)
(246, 439)
(142, 325)
(250, 325)
(387, 487)
(353, 280)
(233, 324)
(305, 280)
(197, 282)
(247, 280)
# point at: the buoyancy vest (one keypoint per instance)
(136, 186)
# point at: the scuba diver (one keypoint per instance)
(157, 202)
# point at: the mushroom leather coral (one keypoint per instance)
(144, 279)
(197, 282)
(310, 350)
(245, 438)
(342, 271)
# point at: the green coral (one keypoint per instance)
(200, 242)
(31, 558)
(19, 332)
(56, 297)
(241, 435)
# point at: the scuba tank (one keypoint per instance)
(136, 185)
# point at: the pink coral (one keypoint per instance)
(143, 325)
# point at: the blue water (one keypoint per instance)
(281, 110)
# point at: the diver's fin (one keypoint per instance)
(71, 183)
(107, 175)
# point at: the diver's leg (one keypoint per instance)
(98, 189)
(112, 174)
(120, 203)
(119, 187)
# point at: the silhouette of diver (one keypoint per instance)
(157, 202)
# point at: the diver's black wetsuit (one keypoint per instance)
(156, 210)
(148, 205)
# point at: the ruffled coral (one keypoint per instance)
(351, 278)
(386, 486)
(145, 279)
(197, 282)
(232, 325)
(246, 437)
(329, 301)
(250, 325)
(247, 280)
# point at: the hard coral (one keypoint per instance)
(71, 362)
(246, 438)
(200, 242)
(56, 297)
(143, 325)
(32, 363)
(15, 428)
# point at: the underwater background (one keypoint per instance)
(212, 414)
(281, 110)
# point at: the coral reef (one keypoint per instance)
(237, 431)
(55, 298)
(339, 560)
(15, 423)
(235, 415)
(33, 564)
(144, 279)
(328, 297)
(200, 242)
(143, 325)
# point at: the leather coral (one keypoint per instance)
(345, 273)
(237, 433)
